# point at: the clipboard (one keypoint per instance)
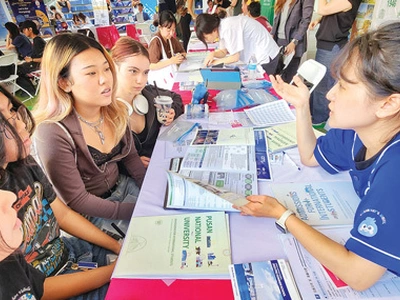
(221, 78)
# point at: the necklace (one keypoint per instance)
(95, 126)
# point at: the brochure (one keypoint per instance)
(186, 246)
(319, 203)
(188, 193)
(225, 158)
(262, 156)
(314, 282)
(267, 280)
(283, 136)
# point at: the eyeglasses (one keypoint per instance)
(20, 114)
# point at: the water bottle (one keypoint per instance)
(252, 67)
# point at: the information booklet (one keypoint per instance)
(283, 136)
(188, 193)
(186, 246)
(262, 156)
(319, 203)
(315, 283)
(267, 280)
(225, 158)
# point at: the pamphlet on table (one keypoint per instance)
(319, 203)
(283, 136)
(194, 61)
(262, 156)
(266, 280)
(222, 150)
(224, 157)
(188, 193)
(186, 246)
(313, 280)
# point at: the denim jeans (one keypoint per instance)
(318, 102)
(126, 191)
(82, 251)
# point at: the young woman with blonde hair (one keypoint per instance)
(87, 128)
(35, 216)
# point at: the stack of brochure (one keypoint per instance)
(224, 158)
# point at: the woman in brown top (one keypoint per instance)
(165, 41)
(83, 136)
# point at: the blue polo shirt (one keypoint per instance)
(376, 181)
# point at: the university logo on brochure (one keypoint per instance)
(369, 227)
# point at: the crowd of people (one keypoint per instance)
(94, 128)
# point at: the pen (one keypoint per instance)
(121, 233)
(291, 160)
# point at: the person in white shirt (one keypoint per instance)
(240, 37)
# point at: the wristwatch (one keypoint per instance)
(296, 42)
(280, 223)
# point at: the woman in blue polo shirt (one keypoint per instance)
(365, 114)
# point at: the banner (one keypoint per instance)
(100, 12)
(34, 10)
(4, 17)
(267, 10)
(385, 10)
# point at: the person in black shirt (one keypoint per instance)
(18, 279)
(336, 21)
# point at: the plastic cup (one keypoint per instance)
(163, 105)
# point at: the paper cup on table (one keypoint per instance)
(163, 105)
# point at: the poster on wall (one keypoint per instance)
(4, 17)
(385, 11)
(100, 12)
(31, 10)
(363, 19)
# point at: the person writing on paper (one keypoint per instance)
(43, 214)
(132, 65)
(239, 37)
(83, 136)
(290, 30)
(364, 140)
(164, 48)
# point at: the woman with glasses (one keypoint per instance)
(164, 49)
(43, 214)
(132, 65)
(87, 128)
